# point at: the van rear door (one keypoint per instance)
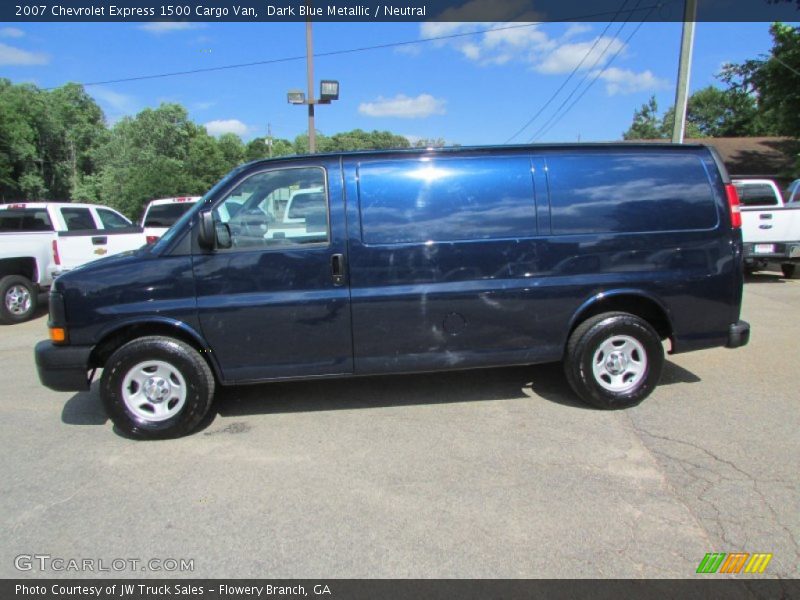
(276, 304)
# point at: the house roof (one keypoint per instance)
(756, 156)
(767, 157)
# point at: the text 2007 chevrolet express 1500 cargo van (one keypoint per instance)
(411, 261)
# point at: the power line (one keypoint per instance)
(587, 17)
(599, 58)
(588, 87)
(791, 68)
(569, 78)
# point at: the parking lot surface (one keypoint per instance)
(489, 473)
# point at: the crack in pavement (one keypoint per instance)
(707, 480)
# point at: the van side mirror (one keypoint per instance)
(206, 234)
(222, 233)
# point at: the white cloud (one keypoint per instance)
(574, 30)
(116, 103)
(11, 56)
(221, 126)
(203, 105)
(11, 32)
(625, 81)
(161, 27)
(404, 107)
(502, 43)
(567, 57)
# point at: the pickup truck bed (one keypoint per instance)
(770, 228)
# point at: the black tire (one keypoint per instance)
(190, 378)
(19, 299)
(609, 328)
(790, 271)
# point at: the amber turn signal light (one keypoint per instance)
(58, 334)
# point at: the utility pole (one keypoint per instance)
(684, 71)
(312, 133)
(269, 139)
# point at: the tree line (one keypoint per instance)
(759, 97)
(55, 145)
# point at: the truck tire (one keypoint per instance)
(19, 299)
(156, 388)
(790, 271)
(614, 360)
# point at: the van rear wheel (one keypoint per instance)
(614, 360)
(156, 387)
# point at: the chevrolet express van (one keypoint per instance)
(409, 261)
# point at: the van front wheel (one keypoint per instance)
(156, 387)
(614, 360)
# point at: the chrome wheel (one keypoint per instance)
(619, 363)
(18, 300)
(154, 390)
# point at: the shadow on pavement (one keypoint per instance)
(764, 277)
(509, 383)
(85, 408)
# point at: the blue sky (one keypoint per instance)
(477, 89)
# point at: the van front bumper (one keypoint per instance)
(63, 368)
(738, 335)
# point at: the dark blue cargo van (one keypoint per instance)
(407, 261)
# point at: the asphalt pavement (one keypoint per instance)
(489, 473)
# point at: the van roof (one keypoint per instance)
(664, 146)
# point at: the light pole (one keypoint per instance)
(328, 89)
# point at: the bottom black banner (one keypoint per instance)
(341, 589)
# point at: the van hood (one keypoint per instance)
(122, 261)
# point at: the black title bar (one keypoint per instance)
(394, 11)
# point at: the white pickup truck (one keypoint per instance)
(770, 227)
(40, 240)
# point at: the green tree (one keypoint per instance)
(147, 157)
(358, 139)
(647, 125)
(775, 81)
(711, 112)
(20, 167)
(78, 127)
(232, 149)
(430, 143)
(723, 113)
(258, 148)
(301, 143)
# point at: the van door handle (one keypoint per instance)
(337, 269)
(100, 240)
